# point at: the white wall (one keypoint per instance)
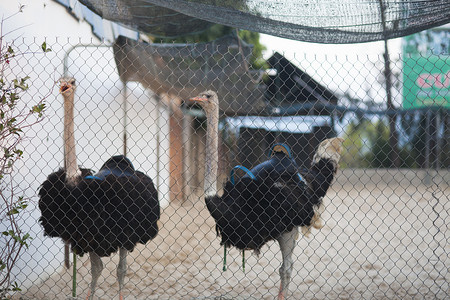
(99, 116)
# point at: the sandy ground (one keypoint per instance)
(386, 236)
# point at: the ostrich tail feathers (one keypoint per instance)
(324, 166)
(316, 220)
(213, 206)
(330, 149)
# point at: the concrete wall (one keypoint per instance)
(99, 116)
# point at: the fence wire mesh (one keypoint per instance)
(385, 216)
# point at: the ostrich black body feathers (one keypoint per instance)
(254, 211)
(116, 208)
(55, 203)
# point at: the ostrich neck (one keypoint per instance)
(211, 155)
(70, 158)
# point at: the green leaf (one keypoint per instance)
(13, 211)
(7, 233)
(44, 47)
(21, 84)
(13, 96)
(18, 151)
(38, 109)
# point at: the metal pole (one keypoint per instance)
(427, 179)
(158, 142)
(438, 140)
(125, 117)
(393, 140)
(66, 55)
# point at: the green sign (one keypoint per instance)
(426, 68)
(426, 81)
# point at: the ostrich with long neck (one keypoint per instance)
(67, 89)
(210, 103)
(272, 204)
(56, 192)
(100, 213)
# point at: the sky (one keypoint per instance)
(273, 43)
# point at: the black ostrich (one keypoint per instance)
(271, 203)
(97, 214)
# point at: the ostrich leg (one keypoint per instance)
(287, 243)
(96, 270)
(121, 270)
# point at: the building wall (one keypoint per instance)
(99, 115)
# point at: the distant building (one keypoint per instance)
(298, 113)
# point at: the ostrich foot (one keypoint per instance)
(280, 293)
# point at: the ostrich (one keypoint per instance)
(100, 213)
(273, 202)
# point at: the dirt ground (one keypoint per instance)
(386, 236)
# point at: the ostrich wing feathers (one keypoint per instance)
(125, 209)
(101, 215)
(55, 203)
(255, 211)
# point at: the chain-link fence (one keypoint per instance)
(385, 216)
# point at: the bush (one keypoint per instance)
(15, 116)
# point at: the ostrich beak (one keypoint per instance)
(199, 99)
(64, 87)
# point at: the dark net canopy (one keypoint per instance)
(185, 70)
(320, 21)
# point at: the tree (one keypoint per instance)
(367, 146)
(216, 31)
(422, 134)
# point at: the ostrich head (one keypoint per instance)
(67, 86)
(208, 100)
(330, 149)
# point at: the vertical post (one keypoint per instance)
(427, 179)
(393, 139)
(187, 133)
(176, 153)
(438, 142)
(125, 116)
(158, 142)
(74, 276)
(445, 144)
